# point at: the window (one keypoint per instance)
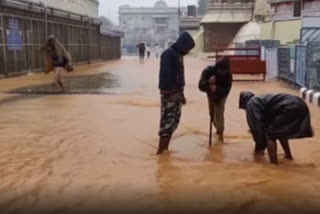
(297, 9)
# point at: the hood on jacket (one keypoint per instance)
(184, 44)
(222, 69)
(245, 97)
(223, 64)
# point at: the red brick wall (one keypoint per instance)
(219, 35)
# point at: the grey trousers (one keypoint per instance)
(216, 110)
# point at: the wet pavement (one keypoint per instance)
(82, 84)
(92, 149)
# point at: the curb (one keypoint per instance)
(310, 96)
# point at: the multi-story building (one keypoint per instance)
(152, 25)
(288, 17)
(85, 7)
(190, 21)
(190, 24)
(223, 21)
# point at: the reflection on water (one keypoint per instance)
(85, 153)
(17, 98)
(81, 84)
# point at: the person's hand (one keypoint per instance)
(212, 80)
(69, 67)
(174, 97)
(184, 100)
(213, 88)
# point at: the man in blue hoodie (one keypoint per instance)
(171, 85)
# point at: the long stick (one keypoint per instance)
(210, 132)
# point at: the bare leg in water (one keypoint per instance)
(61, 85)
(286, 148)
(272, 150)
(216, 111)
(58, 76)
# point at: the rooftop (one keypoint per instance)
(229, 13)
(280, 1)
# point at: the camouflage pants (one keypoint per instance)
(170, 117)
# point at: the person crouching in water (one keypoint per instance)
(57, 59)
(171, 85)
(276, 117)
(216, 81)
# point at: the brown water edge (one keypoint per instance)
(98, 83)
(89, 153)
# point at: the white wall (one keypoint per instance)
(311, 22)
(85, 7)
(272, 63)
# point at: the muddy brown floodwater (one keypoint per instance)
(93, 148)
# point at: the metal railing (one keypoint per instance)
(302, 68)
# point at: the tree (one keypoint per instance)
(202, 7)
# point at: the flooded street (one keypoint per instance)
(93, 149)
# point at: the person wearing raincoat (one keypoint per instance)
(171, 85)
(57, 59)
(276, 117)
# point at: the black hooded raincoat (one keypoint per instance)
(171, 68)
(279, 116)
(224, 83)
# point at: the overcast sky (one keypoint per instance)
(109, 8)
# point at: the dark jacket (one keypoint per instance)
(272, 117)
(223, 83)
(171, 77)
(142, 48)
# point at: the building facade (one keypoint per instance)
(284, 10)
(190, 24)
(223, 21)
(152, 25)
(85, 7)
(289, 17)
